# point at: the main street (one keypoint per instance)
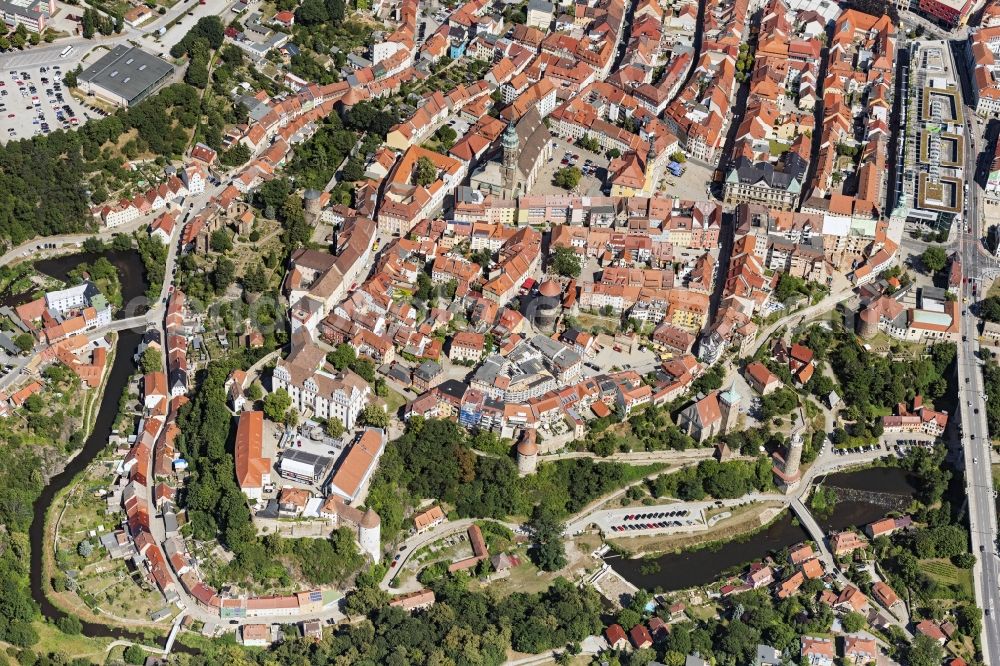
(972, 402)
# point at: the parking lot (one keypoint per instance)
(565, 154)
(644, 521)
(33, 101)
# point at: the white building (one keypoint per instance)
(310, 387)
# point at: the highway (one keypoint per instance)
(972, 402)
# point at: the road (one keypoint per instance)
(972, 399)
(824, 305)
(142, 36)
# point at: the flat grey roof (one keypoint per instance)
(306, 458)
(128, 72)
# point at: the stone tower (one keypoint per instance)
(370, 535)
(527, 453)
(729, 406)
(794, 455)
(511, 151)
(548, 306)
(313, 205)
(786, 469)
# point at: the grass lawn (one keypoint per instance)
(74, 647)
(523, 578)
(590, 321)
(946, 573)
(394, 401)
(777, 148)
(994, 289)
(996, 476)
(704, 612)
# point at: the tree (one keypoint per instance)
(446, 136)
(364, 600)
(220, 241)
(134, 655)
(567, 178)
(152, 360)
(589, 143)
(24, 341)
(334, 427)
(566, 262)
(70, 625)
(254, 392)
(223, 275)
(964, 560)
(424, 173)
(276, 405)
(934, 258)
(548, 551)
(342, 357)
(374, 416)
(613, 153)
(85, 548)
(312, 12)
(628, 618)
(853, 622)
(255, 280)
(989, 309)
(34, 403)
(924, 651)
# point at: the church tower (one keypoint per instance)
(511, 151)
(729, 406)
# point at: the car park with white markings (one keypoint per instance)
(34, 101)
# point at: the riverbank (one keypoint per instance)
(745, 522)
(692, 564)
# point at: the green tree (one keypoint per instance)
(924, 651)
(446, 136)
(567, 178)
(152, 360)
(566, 262)
(24, 342)
(223, 275)
(334, 427)
(255, 281)
(934, 258)
(989, 309)
(312, 12)
(276, 405)
(853, 622)
(548, 551)
(221, 241)
(134, 655)
(374, 416)
(424, 173)
(342, 357)
(254, 392)
(70, 625)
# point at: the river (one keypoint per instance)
(679, 571)
(133, 281)
(118, 378)
(131, 272)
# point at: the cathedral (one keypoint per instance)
(524, 148)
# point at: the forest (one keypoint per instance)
(434, 459)
(462, 627)
(46, 188)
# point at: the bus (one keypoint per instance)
(66, 51)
